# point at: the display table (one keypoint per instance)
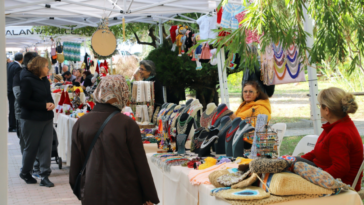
(174, 188)
(57, 96)
(64, 133)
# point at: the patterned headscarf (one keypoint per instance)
(112, 87)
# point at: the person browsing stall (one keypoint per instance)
(68, 77)
(118, 162)
(255, 102)
(36, 120)
(78, 74)
(339, 148)
(147, 73)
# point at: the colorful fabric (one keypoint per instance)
(251, 36)
(318, 176)
(114, 90)
(209, 162)
(228, 19)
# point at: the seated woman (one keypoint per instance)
(58, 80)
(118, 159)
(255, 102)
(339, 149)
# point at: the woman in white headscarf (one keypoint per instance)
(117, 171)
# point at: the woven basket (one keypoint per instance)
(249, 193)
(245, 183)
(284, 184)
(216, 174)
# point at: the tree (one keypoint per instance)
(338, 31)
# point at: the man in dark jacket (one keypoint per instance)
(13, 68)
(16, 89)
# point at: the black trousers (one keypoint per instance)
(12, 120)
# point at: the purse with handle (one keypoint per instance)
(77, 186)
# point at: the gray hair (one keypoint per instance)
(149, 66)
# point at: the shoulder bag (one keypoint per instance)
(77, 186)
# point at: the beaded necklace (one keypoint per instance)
(207, 142)
(291, 52)
(295, 75)
(182, 125)
(229, 134)
(207, 118)
(281, 61)
(269, 52)
(275, 70)
(217, 115)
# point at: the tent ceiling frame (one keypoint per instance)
(92, 6)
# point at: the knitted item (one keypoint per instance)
(248, 193)
(245, 183)
(318, 176)
(215, 175)
(273, 199)
(209, 162)
(264, 165)
(232, 178)
(285, 184)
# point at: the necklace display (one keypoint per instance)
(206, 119)
(229, 134)
(182, 125)
(276, 70)
(207, 142)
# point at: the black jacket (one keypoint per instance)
(13, 68)
(158, 92)
(16, 91)
(35, 94)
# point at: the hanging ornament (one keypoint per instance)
(124, 28)
(103, 41)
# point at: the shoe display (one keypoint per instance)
(45, 182)
(28, 178)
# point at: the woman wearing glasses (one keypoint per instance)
(255, 102)
(339, 149)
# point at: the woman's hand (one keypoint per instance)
(148, 203)
(50, 106)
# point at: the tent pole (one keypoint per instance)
(224, 79)
(220, 69)
(3, 113)
(161, 42)
(312, 79)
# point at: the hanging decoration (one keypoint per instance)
(103, 41)
(281, 66)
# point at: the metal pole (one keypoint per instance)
(220, 68)
(3, 112)
(224, 79)
(312, 79)
(161, 42)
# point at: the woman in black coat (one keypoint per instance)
(36, 120)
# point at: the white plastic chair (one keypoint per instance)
(358, 174)
(306, 144)
(280, 128)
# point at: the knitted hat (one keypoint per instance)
(58, 77)
(67, 102)
(77, 91)
(59, 107)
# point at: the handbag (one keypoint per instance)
(53, 50)
(77, 186)
(60, 57)
(59, 48)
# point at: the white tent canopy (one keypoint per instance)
(89, 12)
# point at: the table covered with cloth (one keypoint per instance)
(64, 133)
(56, 98)
(174, 187)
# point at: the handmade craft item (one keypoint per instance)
(103, 41)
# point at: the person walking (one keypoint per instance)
(36, 120)
(118, 162)
(13, 68)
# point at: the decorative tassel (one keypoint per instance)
(124, 29)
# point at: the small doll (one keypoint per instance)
(180, 39)
(76, 102)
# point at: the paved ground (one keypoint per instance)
(21, 193)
